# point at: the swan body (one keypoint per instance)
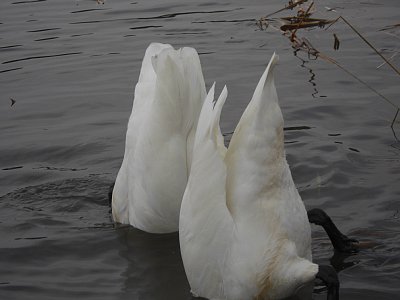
(159, 140)
(243, 230)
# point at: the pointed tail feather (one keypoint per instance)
(208, 125)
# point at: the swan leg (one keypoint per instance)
(338, 261)
(329, 277)
(340, 242)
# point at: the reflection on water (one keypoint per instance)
(312, 75)
(67, 74)
(154, 268)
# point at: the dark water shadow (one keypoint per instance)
(154, 267)
(81, 242)
(155, 270)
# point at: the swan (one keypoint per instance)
(244, 231)
(152, 178)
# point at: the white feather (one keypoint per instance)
(244, 231)
(159, 140)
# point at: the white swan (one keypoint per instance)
(151, 181)
(244, 231)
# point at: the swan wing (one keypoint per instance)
(153, 176)
(260, 184)
(145, 87)
(144, 93)
(255, 157)
(205, 225)
(196, 87)
(268, 212)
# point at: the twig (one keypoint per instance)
(391, 58)
(301, 21)
(369, 44)
(331, 60)
(392, 125)
(332, 23)
(395, 117)
(290, 6)
(305, 45)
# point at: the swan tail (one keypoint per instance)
(145, 86)
(196, 95)
(204, 224)
(144, 93)
(208, 125)
(154, 172)
(147, 72)
(256, 155)
(180, 88)
(263, 113)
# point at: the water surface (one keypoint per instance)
(67, 75)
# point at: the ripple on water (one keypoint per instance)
(42, 237)
(71, 105)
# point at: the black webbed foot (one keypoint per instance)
(329, 277)
(339, 263)
(347, 245)
(340, 242)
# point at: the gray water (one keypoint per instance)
(71, 66)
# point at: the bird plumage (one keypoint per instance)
(159, 140)
(244, 232)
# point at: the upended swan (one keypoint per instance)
(244, 231)
(151, 181)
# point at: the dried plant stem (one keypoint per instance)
(301, 21)
(290, 6)
(390, 58)
(331, 60)
(395, 117)
(392, 125)
(369, 44)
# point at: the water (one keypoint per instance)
(71, 66)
